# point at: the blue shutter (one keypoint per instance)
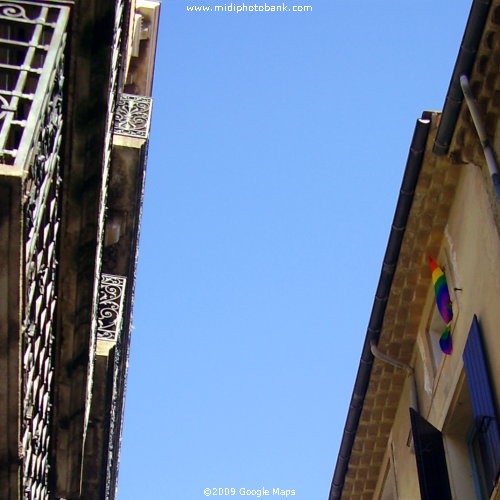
(483, 407)
(431, 460)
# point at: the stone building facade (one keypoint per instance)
(422, 423)
(75, 110)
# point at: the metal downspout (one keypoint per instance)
(481, 132)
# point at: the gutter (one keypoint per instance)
(464, 64)
(407, 190)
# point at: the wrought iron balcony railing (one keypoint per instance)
(32, 44)
(32, 39)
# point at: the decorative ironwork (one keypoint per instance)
(38, 157)
(32, 37)
(4, 106)
(45, 163)
(111, 299)
(133, 116)
(12, 10)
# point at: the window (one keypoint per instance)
(434, 331)
(436, 325)
(456, 432)
(389, 489)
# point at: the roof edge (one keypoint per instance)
(409, 182)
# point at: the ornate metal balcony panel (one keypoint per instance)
(32, 42)
(133, 116)
(32, 38)
(110, 312)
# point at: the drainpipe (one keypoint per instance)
(481, 132)
(377, 353)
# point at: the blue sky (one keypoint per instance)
(277, 150)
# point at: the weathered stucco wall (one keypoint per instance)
(470, 254)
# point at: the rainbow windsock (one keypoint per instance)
(445, 341)
(441, 291)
